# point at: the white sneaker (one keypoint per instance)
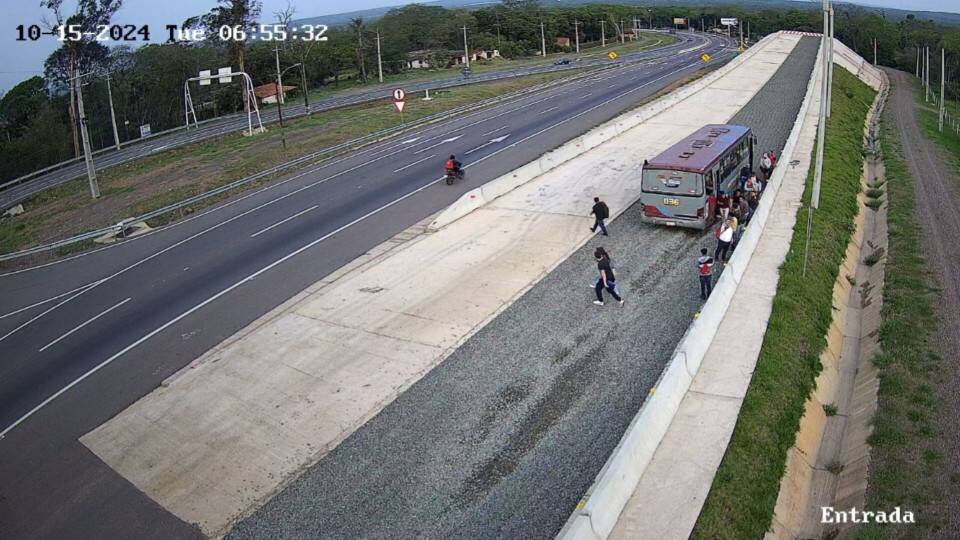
(621, 302)
(597, 302)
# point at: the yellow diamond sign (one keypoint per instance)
(612, 55)
(705, 57)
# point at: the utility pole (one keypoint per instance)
(303, 81)
(576, 31)
(87, 152)
(740, 27)
(918, 61)
(283, 135)
(113, 116)
(830, 67)
(943, 81)
(543, 42)
(379, 60)
(623, 38)
(874, 51)
(497, 24)
(466, 51)
(603, 34)
(748, 31)
(926, 75)
(821, 131)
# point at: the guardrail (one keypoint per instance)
(332, 151)
(334, 103)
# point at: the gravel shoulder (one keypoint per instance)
(504, 437)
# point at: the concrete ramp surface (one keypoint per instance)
(529, 397)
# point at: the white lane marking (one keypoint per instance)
(545, 111)
(588, 94)
(445, 141)
(282, 221)
(48, 310)
(414, 163)
(192, 310)
(486, 144)
(493, 131)
(40, 303)
(81, 325)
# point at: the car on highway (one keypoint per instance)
(562, 62)
(679, 186)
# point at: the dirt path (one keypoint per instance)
(938, 201)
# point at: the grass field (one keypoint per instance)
(744, 492)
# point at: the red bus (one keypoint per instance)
(679, 187)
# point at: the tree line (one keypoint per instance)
(39, 118)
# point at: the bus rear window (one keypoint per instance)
(672, 182)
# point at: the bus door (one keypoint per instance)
(710, 190)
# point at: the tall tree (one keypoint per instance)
(356, 24)
(86, 19)
(237, 15)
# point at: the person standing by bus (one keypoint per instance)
(723, 203)
(607, 281)
(705, 270)
(600, 212)
(724, 239)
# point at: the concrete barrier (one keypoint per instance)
(604, 501)
(591, 139)
(856, 64)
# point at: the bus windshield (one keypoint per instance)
(672, 182)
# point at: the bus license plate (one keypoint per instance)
(671, 202)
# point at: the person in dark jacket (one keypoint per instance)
(608, 280)
(600, 212)
(705, 271)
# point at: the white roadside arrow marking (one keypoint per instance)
(451, 139)
(413, 140)
(488, 143)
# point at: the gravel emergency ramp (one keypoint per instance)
(503, 437)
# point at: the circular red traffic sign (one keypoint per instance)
(399, 94)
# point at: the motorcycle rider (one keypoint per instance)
(455, 167)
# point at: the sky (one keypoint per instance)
(21, 60)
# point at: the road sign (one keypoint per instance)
(145, 130)
(679, 20)
(398, 99)
(224, 74)
(705, 57)
(204, 73)
(612, 55)
(728, 21)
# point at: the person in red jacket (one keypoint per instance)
(705, 270)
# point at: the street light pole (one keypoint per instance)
(576, 31)
(830, 67)
(603, 34)
(821, 131)
(466, 51)
(283, 135)
(379, 61)
(543, 42)
(113, 116)
(943, 81)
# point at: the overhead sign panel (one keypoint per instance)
(728, 21)
(224, 71)
(204, 73)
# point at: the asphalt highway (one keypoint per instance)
(85, 337)
(233, 123)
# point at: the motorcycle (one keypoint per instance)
(453, 176)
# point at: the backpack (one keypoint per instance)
(704, 266)
(451, 165)
(766, 162)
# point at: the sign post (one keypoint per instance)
(398, 101)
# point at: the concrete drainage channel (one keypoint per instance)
(827, 465)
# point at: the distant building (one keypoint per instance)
(267, 93)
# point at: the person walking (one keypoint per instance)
(705, 270)
(600, 212)
(724, 238)
(607, 281)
